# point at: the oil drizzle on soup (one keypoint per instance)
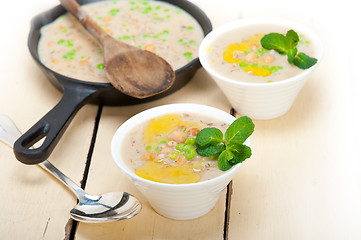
(240, 56)
(163, 149)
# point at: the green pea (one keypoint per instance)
(187, 148)
(66, 43)
(190, 154)
(149, 147)
(190, 141)
(173, 155)
(248, 51)
(188, 56)
(69, 43)
(70, 55)
(273, 69)
(180, 147)
(261, 51)
(114, 11)
(163, 141)
(243, 64)
(100, 66)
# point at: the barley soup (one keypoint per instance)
(170, 32)
(163, 149)
(239, 55)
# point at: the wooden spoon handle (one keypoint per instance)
(75, 9)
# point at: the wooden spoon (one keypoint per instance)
(135, 72)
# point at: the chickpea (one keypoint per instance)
(149, 47)
(166, 150)
(192, 131)
(253, 46)
(268, 58)
(179, 137)
(181, 160)
(148, 156)
(251, 57)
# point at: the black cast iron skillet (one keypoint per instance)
(77, 93)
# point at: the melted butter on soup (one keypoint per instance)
(170, 32)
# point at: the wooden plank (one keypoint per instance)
(104, 176)
(34, 205)
(302, 181)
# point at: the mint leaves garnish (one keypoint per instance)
(229, 150)
(287, 45)
(303, 61)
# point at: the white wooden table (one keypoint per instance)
(302, 182)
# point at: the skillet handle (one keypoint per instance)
(51, 127)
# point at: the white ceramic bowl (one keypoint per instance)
(175, 201)
(260, 100)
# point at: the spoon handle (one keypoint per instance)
(46, 165)
(75, 9)
(9, 133)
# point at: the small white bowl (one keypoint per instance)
(260, 101)
(175, 201)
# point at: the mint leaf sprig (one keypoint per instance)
(287, 45)
(230, 150)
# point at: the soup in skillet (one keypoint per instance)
(170, 32)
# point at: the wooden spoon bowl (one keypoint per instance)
(133, 71)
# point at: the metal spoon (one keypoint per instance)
(131, 70)
(107, 207)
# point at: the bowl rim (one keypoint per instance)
(210, 37)
(148, 114)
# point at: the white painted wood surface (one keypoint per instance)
(302, 182)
